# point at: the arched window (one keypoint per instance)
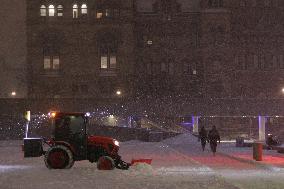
(84, 9)
(42, 10)
(108, 51)
(59, 10)
(75, 11)
(51, 10)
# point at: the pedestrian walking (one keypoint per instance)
(203, 137)
(213, 138)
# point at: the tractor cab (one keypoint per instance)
(70, 129)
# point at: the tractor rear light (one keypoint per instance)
(50, 142)
(52, 114)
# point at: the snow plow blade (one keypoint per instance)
(148, 161)
(119, 164)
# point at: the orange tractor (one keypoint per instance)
(69, 142)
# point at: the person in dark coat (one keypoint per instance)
(213, 138)
(203, 137)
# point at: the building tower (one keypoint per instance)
(215, 45)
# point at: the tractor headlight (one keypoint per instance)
(116, 142)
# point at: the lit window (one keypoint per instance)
(99, 14)
(107, 13)
(103, 62)
(84, 9)
(108, 51)
(46, 62)
(194, 68)
(51, 63)
(75, 11)
(108, 61)
(51, 10)
(42, 10)
(55, 62)
(112, 62)
(149, 42)
(59, 10)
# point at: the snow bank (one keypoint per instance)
(142, 168)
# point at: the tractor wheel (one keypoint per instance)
(105, 163)
(58, 157)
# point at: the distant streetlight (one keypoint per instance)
(13, 93)
(118, 92)
(282, 90)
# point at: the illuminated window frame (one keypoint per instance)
(51, 62)
(43, 11)
(84, 9)
(51, 10)
(75, 11)
(59, 10)
(108, 61)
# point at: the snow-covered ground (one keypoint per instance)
(177, 163)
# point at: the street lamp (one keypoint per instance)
(13, 93)
(282, 90)
(118, 92)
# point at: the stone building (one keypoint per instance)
(13, 49)
(191, 48)
(80, 49)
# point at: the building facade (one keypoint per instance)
(190, 48)
(13, 82)
(80, 49)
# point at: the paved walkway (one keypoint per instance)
(189, 146)
(269, 157)
(228, 155)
